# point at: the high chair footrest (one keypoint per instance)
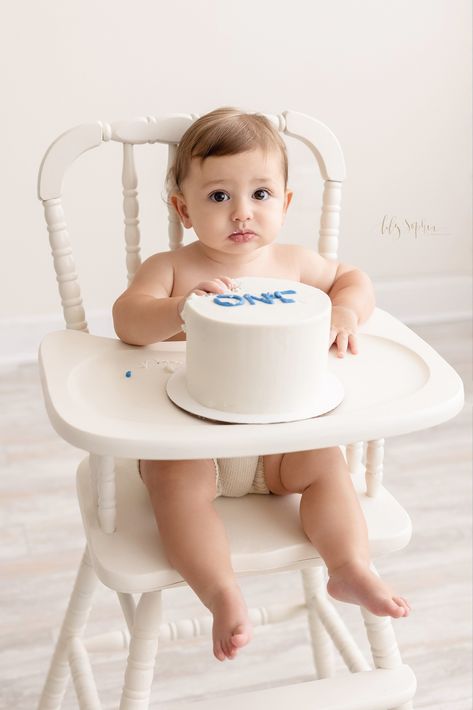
(368, 690)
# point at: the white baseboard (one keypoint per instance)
(423, 300)
(427, 299)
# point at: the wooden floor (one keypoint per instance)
(41, 544)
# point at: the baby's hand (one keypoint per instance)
(343, 330)
(218, 285)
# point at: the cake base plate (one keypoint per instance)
(329, 395)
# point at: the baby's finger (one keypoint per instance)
(224, 282)
(227, 281)
(353, 344)
(342, 344)
(333, 335)
(214, 286)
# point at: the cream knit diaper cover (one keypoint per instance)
(238, 476)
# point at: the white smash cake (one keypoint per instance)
(258, 353)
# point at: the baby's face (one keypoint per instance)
(235, 203)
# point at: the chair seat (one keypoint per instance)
(132, 558)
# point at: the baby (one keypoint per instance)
(229, 183)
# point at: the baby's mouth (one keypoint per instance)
(240, 237)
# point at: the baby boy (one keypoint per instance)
(229, 183)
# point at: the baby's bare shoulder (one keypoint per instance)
(164, 261)
(161, 262)
(313, 268)
(156, 275)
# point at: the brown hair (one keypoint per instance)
(224, 131)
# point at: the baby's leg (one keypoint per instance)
(333, 521)
(196, 545)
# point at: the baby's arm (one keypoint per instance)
(146, 313)
(353, 302)
(350, 291)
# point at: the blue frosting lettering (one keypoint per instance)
(279, 294)
(233, 296)
(264, 298)
(234, 299)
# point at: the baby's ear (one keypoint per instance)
(288, 199)
(179, 204)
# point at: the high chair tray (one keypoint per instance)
(110, 398)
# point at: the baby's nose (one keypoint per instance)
(242, 210)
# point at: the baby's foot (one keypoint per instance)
(356, 583)
(231, 625)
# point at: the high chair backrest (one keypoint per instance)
(168, 130)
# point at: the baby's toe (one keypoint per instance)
(228, 649)
(406, 603)
(240, 637)
(397, 611)
(384, 606)
(219, 652)
(403, 604)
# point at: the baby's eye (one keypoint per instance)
(261, 194)
(219, 196)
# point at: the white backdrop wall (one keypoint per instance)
(391, 78)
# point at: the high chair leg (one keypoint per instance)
(383, 644)
(313, 580)
(321, 608)
(128, 606)
(73, 626)
(142, 654)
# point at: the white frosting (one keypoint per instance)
(260, 358)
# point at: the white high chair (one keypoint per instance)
(398, 384)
